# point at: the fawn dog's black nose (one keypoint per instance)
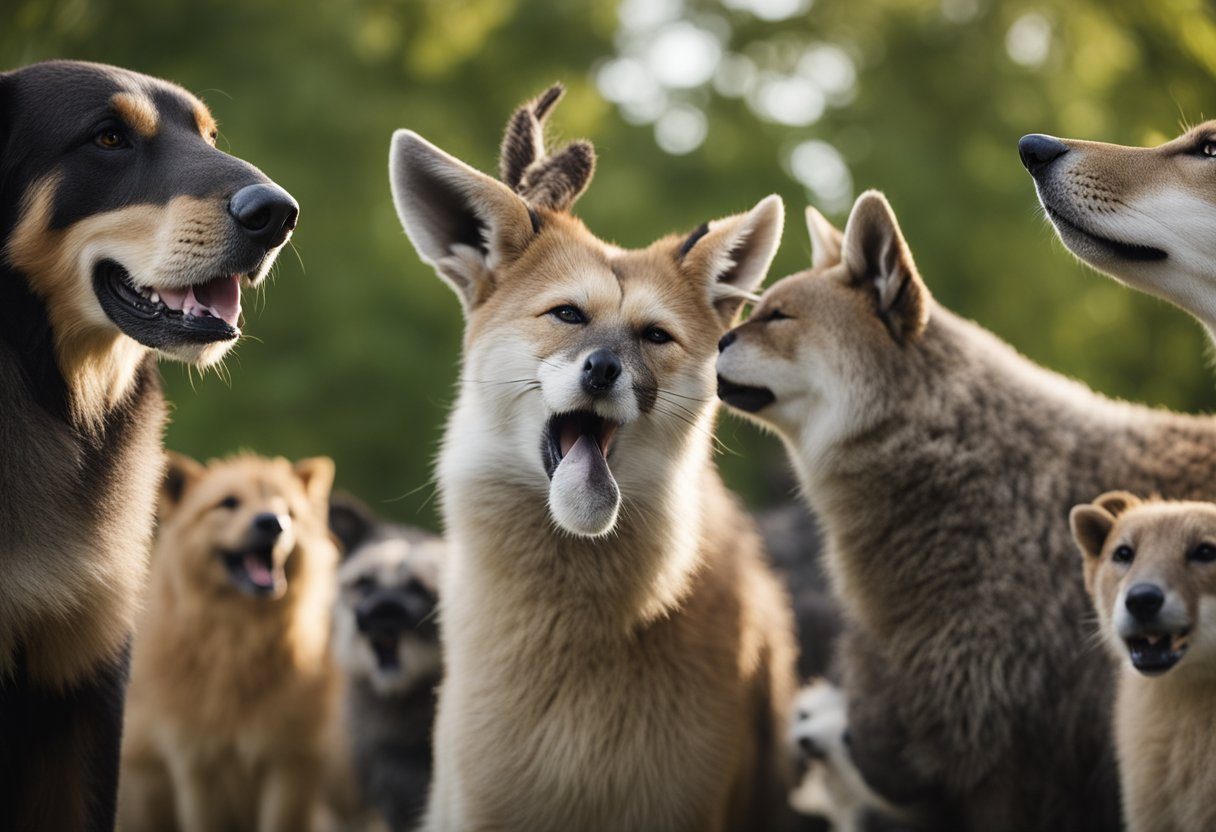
(726, 340)
(266, 213)
(1039, 151)
(268, 523)
(1144, 601)
(600, 370)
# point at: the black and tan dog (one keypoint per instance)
(123, 232)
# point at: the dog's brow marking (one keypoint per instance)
(205, 121)
(138, 111)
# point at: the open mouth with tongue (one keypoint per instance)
(1154, 653)
(254, 572)
(583, 495)
(168, 316)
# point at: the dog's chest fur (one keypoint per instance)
(624, 719)
(76, 507)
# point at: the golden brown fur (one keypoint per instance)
(1163, 726)
(231, 695)
(631, 669)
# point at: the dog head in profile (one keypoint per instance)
(1143, 215)
(245, 528)
(127, 224)
(831, 350)
(385, 628)
(587, 371)
(1150, 567)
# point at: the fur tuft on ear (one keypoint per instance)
(732, 255)
(876, 254)
(463, 223)
(556, 181)
(180, 472)
(826, 240)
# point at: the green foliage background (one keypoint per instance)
(354, 347)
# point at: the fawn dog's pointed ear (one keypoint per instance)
(826, 240)
(731, 256)
(546, 181)
(877, 256)
(463, 223)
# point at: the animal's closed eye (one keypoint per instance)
(777, 315)
(230, 502)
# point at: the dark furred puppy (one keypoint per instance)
(122, 230)
(386, 639)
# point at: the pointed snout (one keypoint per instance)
(1038, 151)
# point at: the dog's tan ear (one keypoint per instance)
(878, 259)
(317, 474)
(1090, 524)
(731, 256)
(826, 240)
(180, 472)
(1117, 502)
(463, 223)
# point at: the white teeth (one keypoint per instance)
(155, 298)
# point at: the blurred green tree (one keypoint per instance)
(698, 108)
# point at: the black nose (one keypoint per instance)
(1144, 601)
(726, 340)
(385, 614)
(266, 213)
(1038, 151)
(268, 524)
(600, 370)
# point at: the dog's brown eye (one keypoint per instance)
(1207, 148)
(568, 314)
(109, 138)
(1204, 553)
(230, 502)
(365, 585)
(656, 335)
(1123, 554)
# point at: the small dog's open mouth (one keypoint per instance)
(202, 313)
(744, 397)
(566, 430)
(254, 572)
(1154, 653)
(384, 646)
(1126, 251)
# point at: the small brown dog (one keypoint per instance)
(232, 688)
(1151, 569)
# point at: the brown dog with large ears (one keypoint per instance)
(618, 654)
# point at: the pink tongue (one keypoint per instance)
(258, 572)
(219, 297)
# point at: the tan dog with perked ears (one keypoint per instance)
(618, 655)
(1150, 567)
(232, 687)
